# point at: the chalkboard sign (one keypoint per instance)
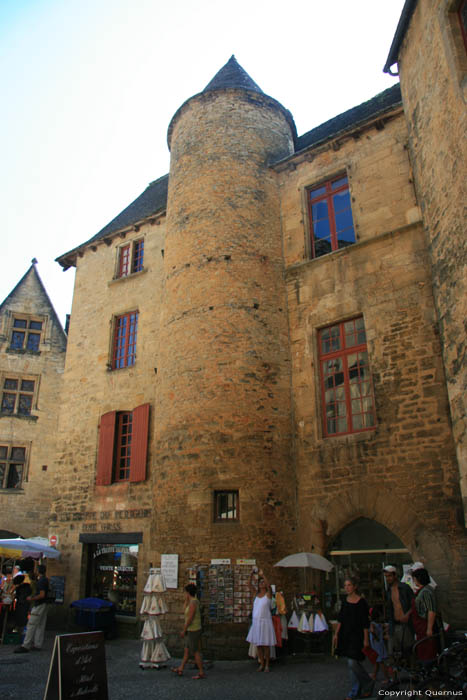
(77, 668)
(57, 588)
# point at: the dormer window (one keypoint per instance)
(130, 258)
(26, 334)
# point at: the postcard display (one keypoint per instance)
(228, 593)
(154, 653)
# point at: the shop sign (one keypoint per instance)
(169, 569)
(246, 562)
(77, 668)
(220, 561)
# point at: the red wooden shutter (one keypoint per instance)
(105, 451)
(139, 443)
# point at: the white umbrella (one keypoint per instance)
(19, 547)
(306, 560)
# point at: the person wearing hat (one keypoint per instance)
(399, 599)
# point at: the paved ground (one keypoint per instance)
(318, 678)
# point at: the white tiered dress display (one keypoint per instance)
(154, 653)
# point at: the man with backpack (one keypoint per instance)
(35, 630)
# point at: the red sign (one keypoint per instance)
(53, 539)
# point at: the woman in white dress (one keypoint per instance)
(262, 630)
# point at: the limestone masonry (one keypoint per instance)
(266, 351)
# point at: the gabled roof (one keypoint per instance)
(32, 271)
(232, 75)
(151, 202)
(379, 104)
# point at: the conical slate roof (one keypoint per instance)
(232, 75)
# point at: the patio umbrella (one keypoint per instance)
(306, 560)
(19, 547)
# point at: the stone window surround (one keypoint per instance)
(7, 330)
(4, 374)
(27, 446)
(453, 43)
(351, 436)
(111, 365)
(329, 174)
(119, 249)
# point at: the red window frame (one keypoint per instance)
(124, 261)
(138, 255)
(124, 342)
(324, 194)
(130, 258)
(226, 506)
(123, 446)
(347, 396)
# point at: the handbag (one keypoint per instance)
(371, 654)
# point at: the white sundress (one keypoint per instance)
(262, 630)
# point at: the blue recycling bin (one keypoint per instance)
(94, 614)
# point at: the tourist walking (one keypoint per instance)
(191, 633)
(351, 636)
(35, 630)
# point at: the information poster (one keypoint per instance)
(169, 569)
(77, 668)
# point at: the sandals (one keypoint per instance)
(199, 677)
(177, 671)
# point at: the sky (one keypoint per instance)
(89, 88)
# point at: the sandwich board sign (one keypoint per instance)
(77, 668)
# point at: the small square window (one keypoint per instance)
(225, 505)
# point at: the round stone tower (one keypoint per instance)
(223, 414)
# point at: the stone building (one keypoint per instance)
(258, 358)
(32, 359)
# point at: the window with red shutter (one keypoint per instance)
(105, 454)
(140, 443)
(123, 446)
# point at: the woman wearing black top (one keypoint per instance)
(351, 636)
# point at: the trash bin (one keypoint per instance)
(95, 614)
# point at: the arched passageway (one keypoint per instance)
(362, 548)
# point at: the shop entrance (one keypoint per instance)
(112, 575)
(362, 549)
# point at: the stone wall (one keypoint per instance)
(92, 389)
(404, 473)
(433, 73)
(25, 511)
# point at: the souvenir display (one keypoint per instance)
(154, 653)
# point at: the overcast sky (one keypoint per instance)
(89, 88)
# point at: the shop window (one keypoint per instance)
(124, 343)
(123, 443)
(17, 395)
(130, 258)
(225, 505)
(347, 392)
(331, 222)
(114, 573)
(26, 334)
(12, 466)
